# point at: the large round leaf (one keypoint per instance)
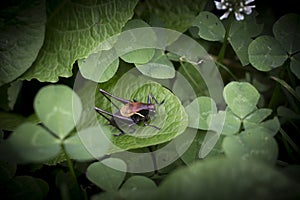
(59, 108)
(170, 117)
(22, 36)
(266, 53)
(73, 32)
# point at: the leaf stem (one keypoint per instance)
(286, 86)
(276, 96)
(224, 45)
(289, 140)
(72, 172)
(227, 70)
(187, 73)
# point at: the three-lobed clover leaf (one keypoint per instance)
(267, 53)
(247, 134)
(286, 31)
(59, 109)
(242, 111)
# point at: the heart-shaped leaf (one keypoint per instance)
(30, 143)
(241, 98)
(232, 123)
(105, 176)
(59, 108)
(270, 126)
(136, 185)
(258, 115)
(210, 27)
(87, 144)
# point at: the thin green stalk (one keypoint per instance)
(223, 48)
(289, 140)
(187, 73)
(72, 172)
(276, 96)
(286, 86)
(227, 70)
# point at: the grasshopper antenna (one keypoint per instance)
(106, 94)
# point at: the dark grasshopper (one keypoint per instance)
(131, 113)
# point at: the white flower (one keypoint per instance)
(239, 7)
